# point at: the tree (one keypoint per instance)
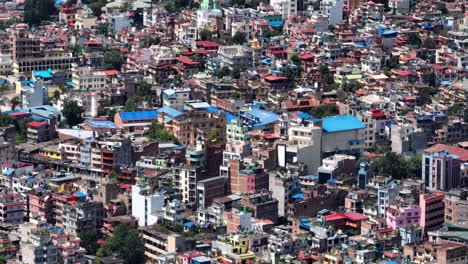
(159, 133)
(89, 240)
(113, 60)
(95, 5)
(130, 105)
(239, 38)
(205, 34)
(170, 7)
(393, 165)
(331, 28)
(454, 109)
(429, 43)
(126, 244)
(236, 72)
(14, 102)
(322, 111)
(295, 59)
(37, 11)
(326, 75)
(224, 71)
(414, 39)
(442, 8)
(56, 95)
(72, 113)
(425, 95)
(145, 89)
(212, 135)
(351, 86)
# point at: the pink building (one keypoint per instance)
(402, 215)
(432, 210)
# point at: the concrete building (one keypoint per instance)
(411, 234)
(235, 56)
(158, 240)
(262, 204)
(37, 245)
(86, 79)
(437, 252)
(209, 189)
(6, 64)
(432, 210)
(333, 9)
(385, 194)
(145, 204)
(407, 140)
(35, 94)
(441, 167)
(456, 202)
(284, 185)
(175, 98)
(11, 208)
(287, 8)
(336, 166)
(398, 216)
(185, 179)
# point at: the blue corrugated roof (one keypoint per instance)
(138, 115)
(43, 74)
(276, 23)
(303, 115)
(341, 123)
(265, 117)
(101, 124)
(80, 194)
(389, 32)
(168, 110)
(189, 224)
(8, 171)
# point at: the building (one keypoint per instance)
(41, 131)
(209, 189)
(86, 79)
(145, 204)
(441, 169)
(235, 56)
(336, 166)
(438, 252)
(37, 245)
(185, 179)
(456, 202)
(35, 94)
(246, 179)
(175, 98)
(11, 208)
(262, 204)
(235, 247)
(158, 240)
(432, 210)
(287, 8)
(402, 215)
(333, 9)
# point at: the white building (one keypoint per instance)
(187, 33)
(287, 8)
(333, 9)
(145, 205)
(401, 7)
(86, 79)
(175, 98)
(204, 17)
(237, 55)
(5, 64)
(174, 211)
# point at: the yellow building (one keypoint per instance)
(51, 151)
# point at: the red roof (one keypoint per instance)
(93, 42)
(437, 67)
(111, 72)
(207, 44)
(306, 56)
(462, 153)
(335, 216)
(403, 73)
(186, 60)
(35, 124)
(356, 217)
(275, 78)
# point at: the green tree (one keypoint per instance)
(331, 28)
(159, 133)
(322, 111)
(393, 165)
(37, 11)
(170, 7)
(465, 114)
(442, 8)
(414, 39)
(89, 241)
(72, 113)
(239, 38)
(224, 71)
(56, 95)
(236, 72)
(351, 86)
(14, 102)
(454, 109)
(205, 34)
(145, 89)
(295, 59)
(113, 60)
(95, 5)
(126, 244)
(212, 135)
(429, 43)
(3, 260)
(425, 95)
(327, 77)
(130, 105)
